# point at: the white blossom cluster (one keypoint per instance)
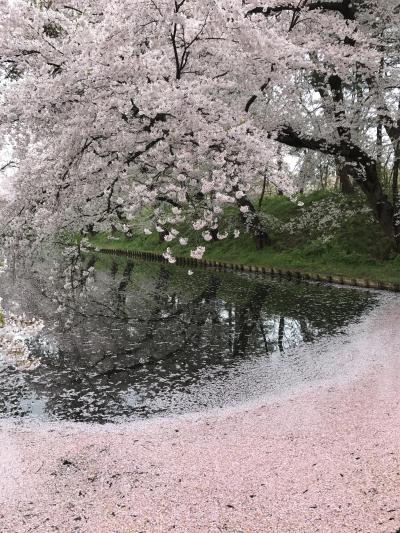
(324, 217)
(15, 331)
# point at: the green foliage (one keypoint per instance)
(323, 232)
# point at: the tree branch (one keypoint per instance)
(346, 8)
(343, 148)
(7, 165)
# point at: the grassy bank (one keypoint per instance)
(322, 233)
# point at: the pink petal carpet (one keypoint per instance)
(325, 458)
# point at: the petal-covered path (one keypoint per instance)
(325, 459)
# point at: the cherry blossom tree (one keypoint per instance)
(340, 89)
(182, 106)
(112, 106)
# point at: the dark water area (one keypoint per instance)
(125, 339)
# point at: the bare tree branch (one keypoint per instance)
(346, 8)
(10, 164)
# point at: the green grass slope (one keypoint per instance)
(324, 233)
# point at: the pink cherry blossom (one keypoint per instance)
(198, 252)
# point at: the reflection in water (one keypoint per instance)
(127, 338)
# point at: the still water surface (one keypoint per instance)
(126, 339)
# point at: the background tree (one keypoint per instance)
(341, 90)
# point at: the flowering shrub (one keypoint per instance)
(322, 219)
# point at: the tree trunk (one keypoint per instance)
(395, 194)
(90, 229)
(264, 186)
(346, 185)
(253, 221)
(379, 146)
(360, 166)
(377, 199)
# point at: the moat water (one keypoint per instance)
(125, 339)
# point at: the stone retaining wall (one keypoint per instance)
(288, 274)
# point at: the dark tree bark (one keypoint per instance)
(346, 185)
(254, 222)
(346, 8)
(395, 192)
(262, 195)
(360, 166)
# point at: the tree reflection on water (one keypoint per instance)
(123, 337)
